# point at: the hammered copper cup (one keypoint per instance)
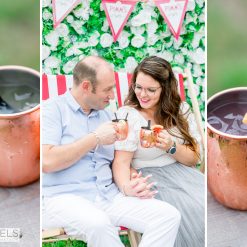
(227, 156)
(19, 134)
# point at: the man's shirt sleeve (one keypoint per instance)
(51, 124)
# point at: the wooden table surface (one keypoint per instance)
(20, 208)
(226, 227)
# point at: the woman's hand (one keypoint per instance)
(164, 140)
(139, 187)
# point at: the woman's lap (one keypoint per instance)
(183, 187)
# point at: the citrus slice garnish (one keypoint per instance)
(157, 128)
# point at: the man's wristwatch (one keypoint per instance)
(172, 149)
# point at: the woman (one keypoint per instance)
(154, 96)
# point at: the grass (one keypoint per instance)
(19, 28)
(76, 243)
(227, 39)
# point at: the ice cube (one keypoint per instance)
(24, 96)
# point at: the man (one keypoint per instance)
(78, 191)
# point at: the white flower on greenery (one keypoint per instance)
(77, 25)
(45, 52)
(189, 18)
(47, 15)
(94, 52)
(123, 40)
(66, 41)
(101, 7)
(52, 39)
(52, 62)
(77, 12)
(196, 40)
(69, 52)
(191, 5)
(179, 58)
(166, 34)
(169, 44)
(81, 57)
(137, 30)
(82, 12)
(47, 71)
(152, 39)
(130, 64)
(83, 44)
(62, 30)
(197, 56)
(85, 14)
(142, 18)
(167, 55)
(138, 41)
(197, 71)
(46, 3)
(150, 3)
(201, 82)
(200, 3)
(73, 51)
(151, 51)
(152, 26)
(119, 55)
(183, 30)
(73, 38)
(94, 39)
(177, 70)
(202, 18)
(197, 89)
(105, 26)
(189, 65)
(69, 66)
(70, 19)
(184, 51)
(106, 40)
(149, 8)
(177, 43)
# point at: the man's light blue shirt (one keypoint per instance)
(64, 122)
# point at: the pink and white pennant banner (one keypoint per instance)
(173, 12)
(61, 8)
(117, 14)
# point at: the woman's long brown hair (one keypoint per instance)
(168, 112)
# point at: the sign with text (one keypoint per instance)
(173, 12)
(117, 14)
(61, 8)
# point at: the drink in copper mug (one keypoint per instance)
(19, 126)
(227, 147)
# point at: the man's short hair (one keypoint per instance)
(83, 71)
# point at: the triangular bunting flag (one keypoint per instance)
(117, 14)
(173, 12)
(61, 8)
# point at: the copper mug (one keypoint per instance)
(227, 153)
(19, 132)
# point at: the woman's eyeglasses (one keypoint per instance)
(150, 91)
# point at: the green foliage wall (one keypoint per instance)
(85, 31)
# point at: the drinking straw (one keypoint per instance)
(149, 124)
(116, 116)
(126, 116)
